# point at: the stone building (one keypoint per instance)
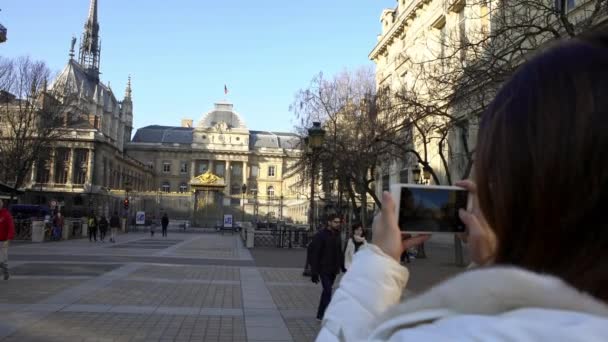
(220, 151)
(452, 55)
(89, 161)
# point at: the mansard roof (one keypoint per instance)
(164, 134)
(74, 80)
(264, 139)
(183, 135)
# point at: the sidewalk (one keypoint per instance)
(186, 287)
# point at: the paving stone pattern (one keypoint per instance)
(20, 291)
(190, 287)
(131, 327)
(63, 269)
(145, 293)
(189, 272)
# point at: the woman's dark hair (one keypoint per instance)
(356, 226)
(541, 165)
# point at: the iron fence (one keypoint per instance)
(23, 229)
(282, 237)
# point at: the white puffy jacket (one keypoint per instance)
(484, 304)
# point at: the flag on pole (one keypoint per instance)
(225, 90)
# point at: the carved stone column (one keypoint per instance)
(52, 166)
(91, 163)
(244, 172)
(70, 179)
(227, 178)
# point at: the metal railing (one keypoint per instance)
(23, 229)
(282, 237)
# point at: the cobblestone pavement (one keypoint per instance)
(187, 287)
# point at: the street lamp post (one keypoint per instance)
(314, 141)
(426, 176)
(243, 191)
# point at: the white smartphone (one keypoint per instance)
(430, 208)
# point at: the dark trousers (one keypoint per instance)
(327, 281)
(92, 234)
(164, 230)
(102, 233)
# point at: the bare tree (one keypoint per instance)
(453, 70)
(29, 117)
(348, 107)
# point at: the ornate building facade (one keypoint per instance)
(202, 171)
(249, 168)
(82, 168)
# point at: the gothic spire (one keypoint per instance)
(128, 91)
(90, 44)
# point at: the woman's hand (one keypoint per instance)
(480, 237)
(386, 233)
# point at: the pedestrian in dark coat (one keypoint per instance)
(165, 223)
(326, 259)
(103, 227)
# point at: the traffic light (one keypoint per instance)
(126, 203)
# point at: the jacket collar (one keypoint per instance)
(495, 290)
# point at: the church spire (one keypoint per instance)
(90, 44)
(128, 91)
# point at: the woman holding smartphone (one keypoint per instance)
(540, 189)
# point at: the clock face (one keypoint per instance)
(221, 137)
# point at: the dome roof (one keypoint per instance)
(223, 112)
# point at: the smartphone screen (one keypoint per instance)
(428, 209)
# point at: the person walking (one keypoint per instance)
(356, 241)
(164, 223)
(326, 260)
(114, 225)
(7, 233)
(92, 222)
(57, 226)
(103, 228)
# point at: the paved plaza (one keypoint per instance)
(186, 287)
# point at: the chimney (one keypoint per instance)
(187, 123)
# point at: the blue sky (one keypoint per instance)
(180, 53)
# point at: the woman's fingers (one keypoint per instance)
(467, 184)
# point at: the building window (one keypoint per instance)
(166, 167)
(203, 167)
(183, 167)
(271, 171)
(220, 169)
(237, 170)
(80, 166)
(166, 186)
(404, 176)
(43, 167)
(385, 182)
(235, 189)
(270, 191)
(255, 170)
(183, 187)
(62, 160)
